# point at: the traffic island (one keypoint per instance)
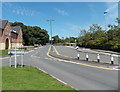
(53, 53)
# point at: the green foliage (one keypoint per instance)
(56, 39)
(3, 52)
(70, 40)
(33, 34)
(101, 39)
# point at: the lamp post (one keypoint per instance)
(105, 20)
(50, 20)
(105, 12)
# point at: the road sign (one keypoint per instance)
(18, 52)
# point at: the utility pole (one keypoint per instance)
(50, 20)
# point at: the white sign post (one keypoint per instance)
(10, 60)
(21, 60)
(15, 58)
(16, 52)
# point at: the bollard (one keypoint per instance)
(87, 56)
(98, 58)
(112, 59)
(78, 56)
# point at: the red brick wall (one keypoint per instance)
(19, 37)
(6, 34)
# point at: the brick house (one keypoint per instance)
(5, 34)
(9, 36)
(16, 36)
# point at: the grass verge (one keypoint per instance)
(29, 78)
(3, 52)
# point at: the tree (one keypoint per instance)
(56, 39)
(33, 34)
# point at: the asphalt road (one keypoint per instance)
(77, 76)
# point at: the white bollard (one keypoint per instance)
(112, 59)
(78, 56)
(21, 60)
(98, 58)
(87, 56)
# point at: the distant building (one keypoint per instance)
(5, 35)
(9, 36)
(16, 36)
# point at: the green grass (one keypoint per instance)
(30, 47)
(29, 78)
(3, 52)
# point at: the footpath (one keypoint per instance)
(117, 54)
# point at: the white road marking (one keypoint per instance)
(56, 78)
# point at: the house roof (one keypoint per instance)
(15, 29)
(3, 23)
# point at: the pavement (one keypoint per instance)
(105, 57)
(117, 54)
(76, 74)
(56, 55)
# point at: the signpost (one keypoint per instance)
(16, 52)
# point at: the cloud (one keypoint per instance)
(112, 9)
(23, 11)
(78, 28)
(62, 12)
(74, 27)
(112, 13)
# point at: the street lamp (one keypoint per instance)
(105, 12)
(50, 20)
(105, 20)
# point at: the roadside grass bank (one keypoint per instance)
(3, 52)
(27, 47)
(29, 78)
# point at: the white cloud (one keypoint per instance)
(17, 12)
(75, 27)
(62, 12)
(112, 9)
(78, 28)
(23, 11)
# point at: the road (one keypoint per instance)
(77, 76)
